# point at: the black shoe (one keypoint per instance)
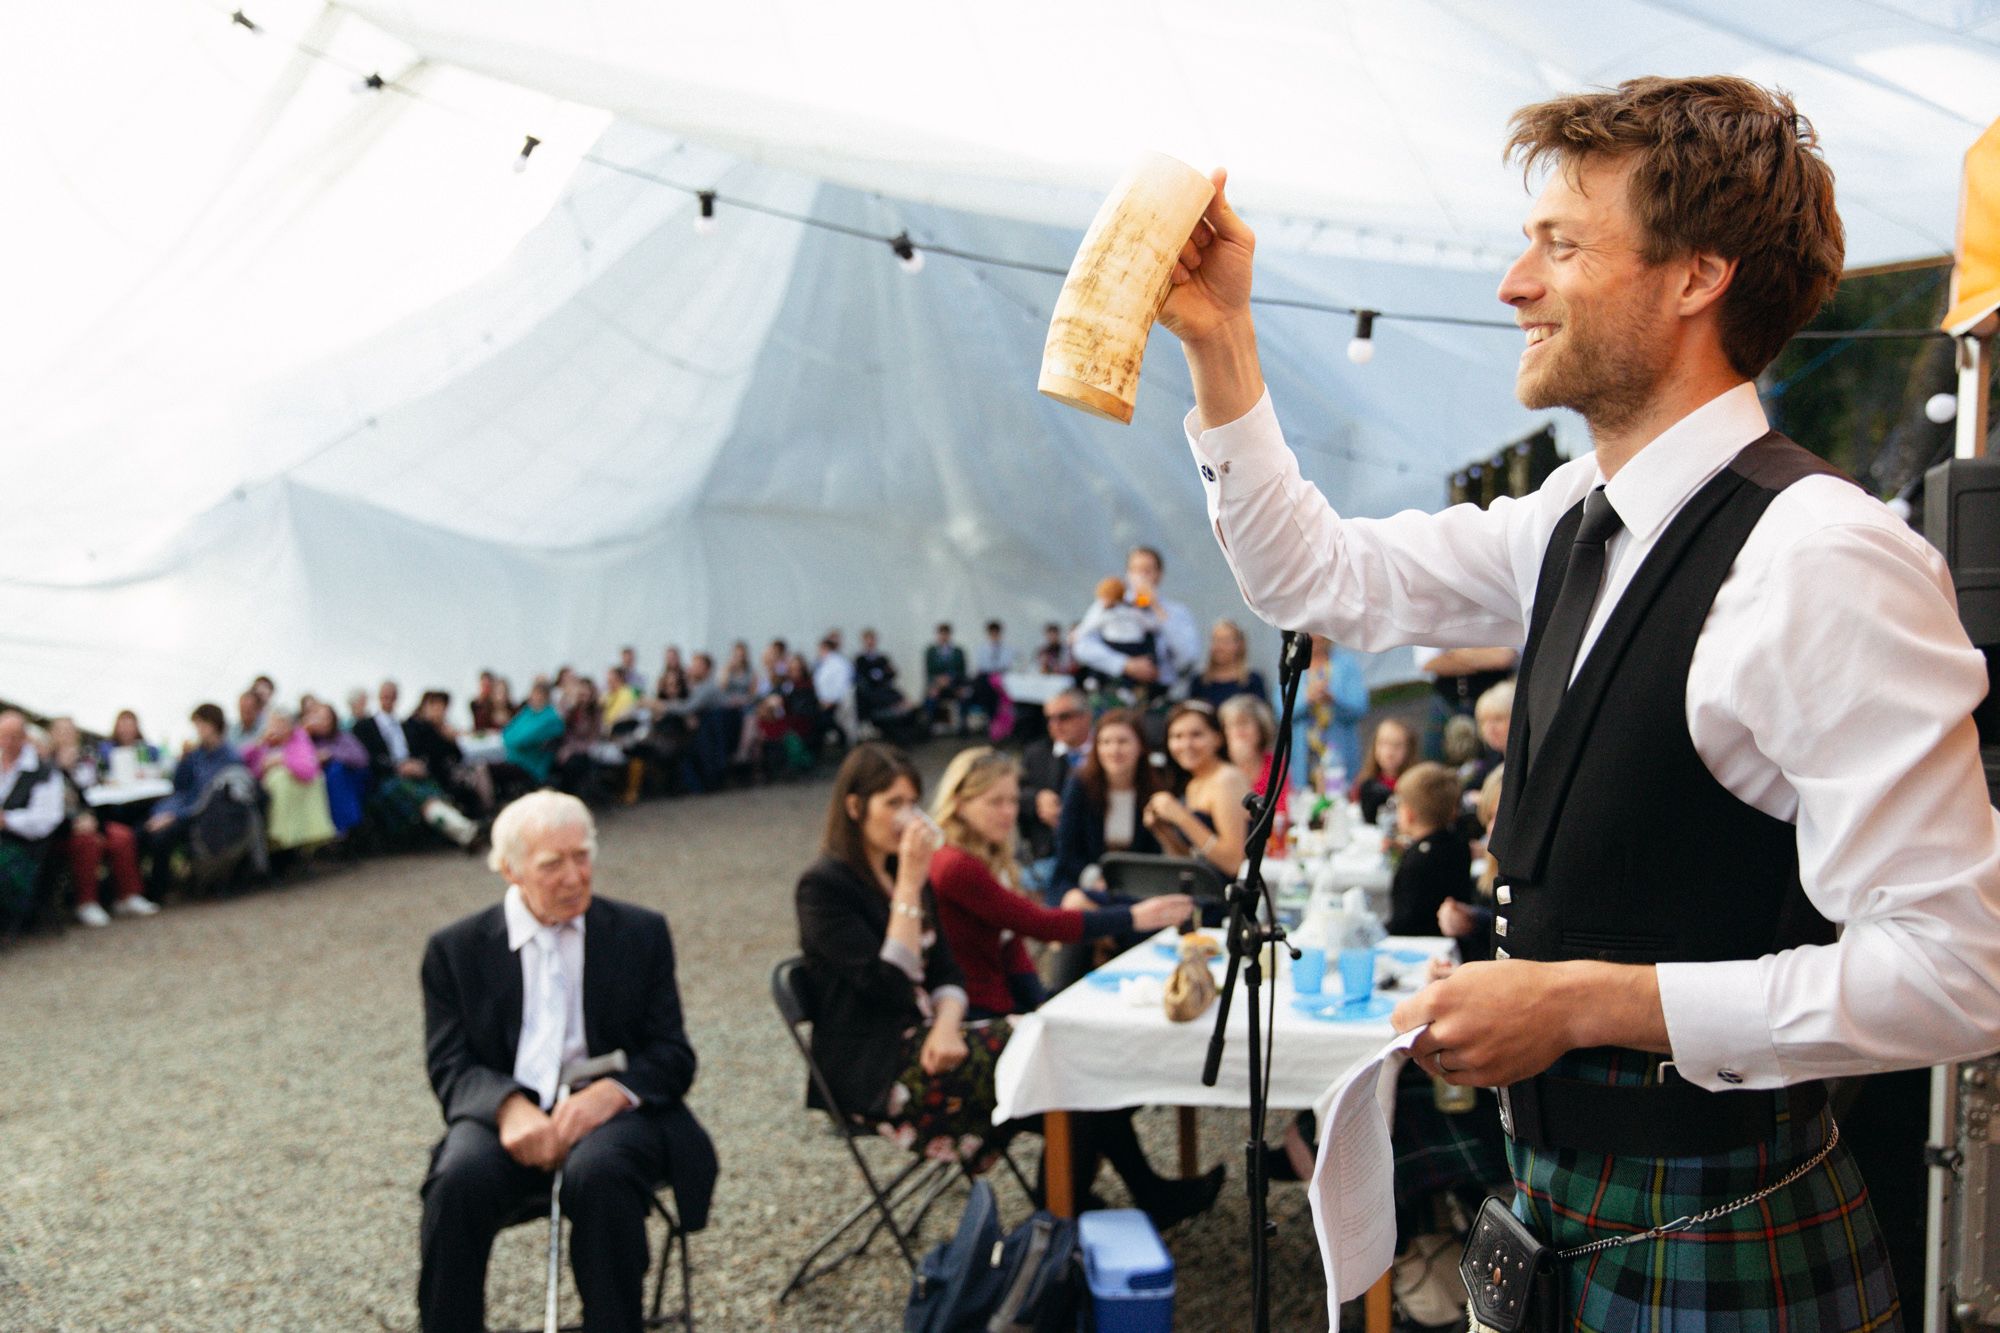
(1177, 1200)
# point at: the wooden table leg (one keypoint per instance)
(1055, 1163)
(1377, 1306)
(1190, 1144)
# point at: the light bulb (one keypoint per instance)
(1941, 407)
(528, 146)
(704, 225)
(369, 84)
(907, 254)
(1361, 347)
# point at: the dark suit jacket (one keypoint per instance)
(369, 733)
(1041, 770)
(472, 1027)
(862, 1005)
(439, 753)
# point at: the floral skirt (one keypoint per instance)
(948, 1115)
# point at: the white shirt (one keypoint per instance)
(522, 928)
(992, 659)
(43, 813)
(1176, 638)
(1832, 687)
(833, 678)
(392, 736)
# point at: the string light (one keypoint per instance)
(242, 20)
(528, 146)
(907, 253)
(1361, 347)
(372, 84)
(705, 224)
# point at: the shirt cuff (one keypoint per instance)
(1717, 1025)
(1239, 456)
(943, 993)
(903, 958)
(630, 1095)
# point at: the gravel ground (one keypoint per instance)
(218, 1118)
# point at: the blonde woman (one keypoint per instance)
(982, 909)
(985, 915)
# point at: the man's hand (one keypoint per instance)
(944, 1049)
(529, 1135)
(1143, 669)
(1211, 280)
(413, 768)
(158, 822)
(85, 823)
(1048, 807)
(1500, 1022)
(586, 1109)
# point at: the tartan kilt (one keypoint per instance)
(1441, 1150)
(1809, 1257)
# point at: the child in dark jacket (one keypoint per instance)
(1436, 862)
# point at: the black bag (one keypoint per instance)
(1510, 1279)
(979, 1281)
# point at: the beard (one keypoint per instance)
(1605, 369)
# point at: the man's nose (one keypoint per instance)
(1521, 283)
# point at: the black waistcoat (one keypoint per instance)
(1618, 844)
(23, 791)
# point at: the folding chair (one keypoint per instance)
(920, 1179)
(537, 1210)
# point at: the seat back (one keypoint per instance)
(791, 990)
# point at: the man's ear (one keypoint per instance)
(1706, 277)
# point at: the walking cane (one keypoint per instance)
(576, 1071)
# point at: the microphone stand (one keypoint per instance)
(1248, 932)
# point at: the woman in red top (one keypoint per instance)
(984, 915)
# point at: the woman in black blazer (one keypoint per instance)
(889, 1030)
(1111, 787)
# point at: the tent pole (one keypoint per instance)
(1975, 386)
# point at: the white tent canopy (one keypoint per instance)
(308, 381)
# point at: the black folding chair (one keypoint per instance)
(536, 1209)
(920, 1179)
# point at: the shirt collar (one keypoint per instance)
(521, 923)
(27, 763)
(1657, 480)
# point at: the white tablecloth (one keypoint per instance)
(125, 793)
(1087, 1050)
(482, 747)
(1034, 687)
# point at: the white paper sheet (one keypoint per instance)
(1353, 1183)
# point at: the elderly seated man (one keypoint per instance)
(549, 975)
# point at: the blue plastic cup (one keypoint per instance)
(1308, 971)
(1357, 975)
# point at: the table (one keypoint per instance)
(1034, 687)
(128, 793)
(1088, 1050)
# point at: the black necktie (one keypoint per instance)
(1555, 658)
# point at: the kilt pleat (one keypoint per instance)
(1808, 1259)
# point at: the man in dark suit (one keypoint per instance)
(382, 736)
(513, 993)
(1046, 764)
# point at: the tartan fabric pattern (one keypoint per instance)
(1808, 1259)
(1439, 1150)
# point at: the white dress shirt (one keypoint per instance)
(833, 679)
(1832, 687)
(45, 809)
(392, 736)
(1176, 640)
(522, 927)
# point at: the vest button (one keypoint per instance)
(1500, 926)
(1503, 895)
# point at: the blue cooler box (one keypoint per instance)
(1129, 1272)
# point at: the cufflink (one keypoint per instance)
(1207, 472)
(1729, 1076)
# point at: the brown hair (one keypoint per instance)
(1720, 165)
(1371, 769)
(969, 774)
(1091, 776)
(1429, 791)
(869, 768)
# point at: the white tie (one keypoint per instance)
(551, 1017)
